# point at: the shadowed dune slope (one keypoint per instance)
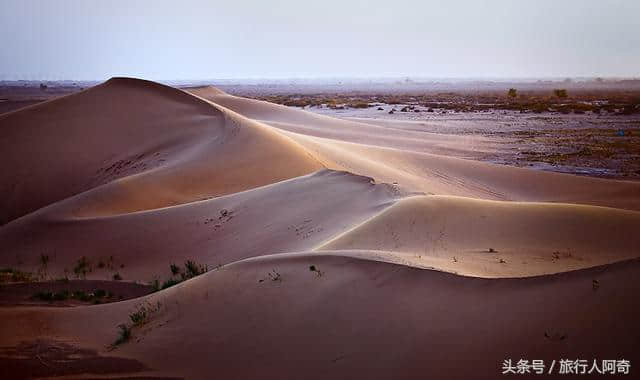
(152, 145)
(286, 216)
(238, 323)
(497, 239)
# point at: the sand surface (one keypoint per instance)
(335, 248)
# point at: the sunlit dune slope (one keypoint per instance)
(418, 161)
(497, 239)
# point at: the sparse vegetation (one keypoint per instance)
(140, 317)
(530, 101)
(83, 266)
(14, 275)
(170, 282)
(191, 269)
(144, 312)
(96, 296)
(117, 277)
(313, 268)
(274, 276)
(560, 93)
(44, 262)
(124, 334)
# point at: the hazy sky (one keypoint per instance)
(197, 39)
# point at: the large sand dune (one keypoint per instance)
(328, 240)
(149, 145)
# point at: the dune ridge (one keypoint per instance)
(410, 159)
(238, 322)
(150, 145)
(495, 238)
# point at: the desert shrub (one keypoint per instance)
(139, 317)
(170, 282)
(358, 105)
(14, 275)
(193, 269)
(124, 334)
(117, 277)
(275, 275)
(512, 93)
(78, 295)
(560, 93)
(83, 266)
(313, 268)
(61, 296)
(44, 296)
(142, 315)
(82, 296)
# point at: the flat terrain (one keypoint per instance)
(149, 231)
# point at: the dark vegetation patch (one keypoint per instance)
(615, 149)
(8, 275)
(179, 274)
(138, 318)
(70, 292)
(623, 102)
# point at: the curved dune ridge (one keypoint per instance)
(139, 145)
(497, 239)
(337, 249)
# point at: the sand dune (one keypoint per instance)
(391, 156)
(286, 216)
(328, 243)
(497, 239)
(416, 323)
(150, 145)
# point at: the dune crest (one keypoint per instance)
(248, 324)
(496, 239)
(418, 161)
(145, 145)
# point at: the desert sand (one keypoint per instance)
(334, 249)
